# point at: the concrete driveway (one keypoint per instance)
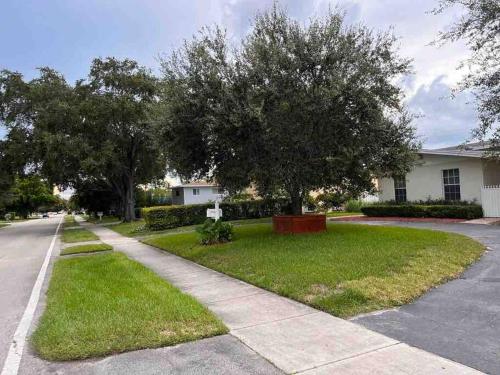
(459, 320)
(23, 247)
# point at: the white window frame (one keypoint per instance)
(445, 184)
(196, 191)
(399, 187)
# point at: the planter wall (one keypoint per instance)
(288, 224)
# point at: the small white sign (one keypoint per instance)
(214, 213)
(100, 215)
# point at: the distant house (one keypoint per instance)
(452, 174)
(195, 193)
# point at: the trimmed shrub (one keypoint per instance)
(165, 217)
(353, 205)
(428, 202)
(213, 232)
(470, 211)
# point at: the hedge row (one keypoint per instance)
(165, 217)
(438, 211)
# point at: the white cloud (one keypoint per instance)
(444, 120)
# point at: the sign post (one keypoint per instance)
(100, 215)
(215, 213)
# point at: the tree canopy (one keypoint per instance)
(291, 109)
(479, 27)
(97, 130)
(30, 194)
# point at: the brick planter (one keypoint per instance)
(287, 224)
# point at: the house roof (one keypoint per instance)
(196, 184)
(469, 150)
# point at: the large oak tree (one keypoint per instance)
(97, 130)
(291, 109)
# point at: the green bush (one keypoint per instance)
(469, 211)
(165, 217)
(331, 201)
(213, 232)
(353, 205)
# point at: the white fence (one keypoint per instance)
(490, 200)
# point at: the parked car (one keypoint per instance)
(45, 215)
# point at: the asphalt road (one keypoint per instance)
(23, 247)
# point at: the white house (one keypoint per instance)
(195, 193)
(453, 173)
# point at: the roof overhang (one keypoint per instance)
(463, 154)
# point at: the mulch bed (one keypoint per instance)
(397, 218)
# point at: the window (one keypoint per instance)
(451, 184)
(177, 192)
(400, 188)
(196, 191)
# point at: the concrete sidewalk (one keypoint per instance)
(294, 337)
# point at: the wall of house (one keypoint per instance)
(425, 181)
(491, 172)
(177, 196)
(207, 194)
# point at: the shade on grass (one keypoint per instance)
(91, 248)
(78, 235)
(107, 303)
(349, 269)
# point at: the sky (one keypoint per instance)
(67, 34)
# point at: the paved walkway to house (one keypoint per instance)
(294, 337)
(459, 320)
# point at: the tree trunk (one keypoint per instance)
(129, 202)
(296, 204)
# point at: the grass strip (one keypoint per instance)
(107, 304)
(91, 248)
(342, 213)
(104, 220)
(69, 221)
(347, 270)
(78, 235)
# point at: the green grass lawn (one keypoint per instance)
(69, 221)
(349, 269)
(107, 303)
(138, 229)
(91, 248)
(78, 235)
(105, 219)
(3, 225)
(342, 213)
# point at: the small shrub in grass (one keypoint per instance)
(213, 232)
(353, 205)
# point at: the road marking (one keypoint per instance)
(11, 365)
